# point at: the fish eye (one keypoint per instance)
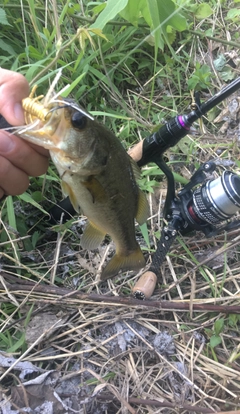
(78, 120)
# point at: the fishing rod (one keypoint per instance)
(202, 204)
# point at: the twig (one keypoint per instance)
(217, 40)
(118, 300)
(164, 404)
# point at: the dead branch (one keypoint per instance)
(55, 295)
(164, 404)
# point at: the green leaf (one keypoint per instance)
(215, 340)
(11, 213)
(28, 199)
(203, 11)
(200, 78)
(184, 145)
(37, 196)
(144, 231)
(112, 8)
(7, 48)
(233, 319)
(232, 14)
(35, 237)
(175, 19)
(134, 10)
(170, 16)
(99, 8)
(3, 18)
(73, 85)
(227, 74)
(156, 23)
(131, 12)
(219, 62)
(18, 344)
(144, 10)
(163, 14)
(218, 326)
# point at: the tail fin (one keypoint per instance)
(132, 261)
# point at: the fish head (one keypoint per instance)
(76, 142)
(80, 140)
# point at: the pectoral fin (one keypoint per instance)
(133, 261)
(91, 237)
(143, 208)
(67, 191)
(95, 189)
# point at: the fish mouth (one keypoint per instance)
(47, 123)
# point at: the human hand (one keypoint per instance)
(18, 159)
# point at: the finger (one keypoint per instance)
(39, 149)
(22, 155)
(12, 180)
(13, 88)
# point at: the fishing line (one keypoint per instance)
(69, 104)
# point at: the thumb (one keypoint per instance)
(13, 88)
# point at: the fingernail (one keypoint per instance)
(6, 143)
(18, 112)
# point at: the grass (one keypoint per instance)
(116, 356)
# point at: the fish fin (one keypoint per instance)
(133, 261)
(91, 237)
(95, 188)
(143, 208)
(67, 191)
(135, 168)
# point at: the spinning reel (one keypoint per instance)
(202, 205)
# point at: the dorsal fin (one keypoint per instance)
(143, 208)
(135, 168)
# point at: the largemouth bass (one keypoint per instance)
(98, 176)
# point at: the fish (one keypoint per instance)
(97, 174)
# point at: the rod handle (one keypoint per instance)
(145, 286)
(136, 152)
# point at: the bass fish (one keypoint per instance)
(97, 174)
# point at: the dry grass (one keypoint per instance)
(118, 357)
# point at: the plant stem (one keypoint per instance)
(223, 41)
(121, 23)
